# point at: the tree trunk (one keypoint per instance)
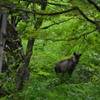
(24, 73)
(3, 24)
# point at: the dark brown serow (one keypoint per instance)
(67, 65)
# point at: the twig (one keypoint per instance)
(82, 35)
(57, 23)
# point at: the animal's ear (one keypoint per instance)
(80, 54)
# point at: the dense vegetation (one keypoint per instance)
(54, 29)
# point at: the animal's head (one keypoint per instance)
(76, 57)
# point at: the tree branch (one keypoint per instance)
(56, 4)
(51, 3)
(95, 5)
(61, 12)
(55, 13)
(82, 35)
(46, 27)
(70, 39)
(81, 12)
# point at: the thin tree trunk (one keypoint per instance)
(3, 24)
(24, 71)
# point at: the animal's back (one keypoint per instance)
(63, 65)
(66, 65)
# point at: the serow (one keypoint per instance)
(67, 65)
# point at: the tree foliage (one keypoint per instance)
(39, 34)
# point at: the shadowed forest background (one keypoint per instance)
(35, 35)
